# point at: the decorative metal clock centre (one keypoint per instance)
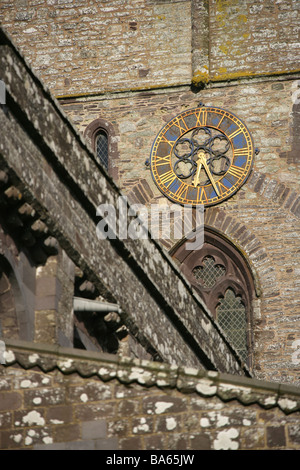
(202, 156)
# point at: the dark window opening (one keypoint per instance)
(103, 140)
(101, 145)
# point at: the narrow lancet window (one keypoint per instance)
(102, 148)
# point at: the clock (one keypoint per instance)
(202, 156)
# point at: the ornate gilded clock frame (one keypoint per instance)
(204, 142)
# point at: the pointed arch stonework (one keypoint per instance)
(91, 132)
(215, 270)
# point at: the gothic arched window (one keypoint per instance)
(102, 138)
(101, 147)
(222, 278)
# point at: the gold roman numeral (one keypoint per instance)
(180, 123)
(236, 171)
(203, 197)
(164, 139)
(202, 119)
(219, 123)
(182, 191)
(240, 152)
(221, 186)
(168, 178)
(162, 160)
(234, 134)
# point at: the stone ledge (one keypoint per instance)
(227, 387)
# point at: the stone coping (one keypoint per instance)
(227, 387)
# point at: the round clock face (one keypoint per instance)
(202, 156)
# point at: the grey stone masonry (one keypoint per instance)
(113, 403)
(59, 176)
(128, 371)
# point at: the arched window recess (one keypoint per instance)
(101, 147)
(223, 279)
(101, 136)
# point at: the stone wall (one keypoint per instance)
(139, 76)
(269, 108)
(62, 181)
(92, 47)
(262, 219)
(55, 399)
(245, 39)
(88, 47)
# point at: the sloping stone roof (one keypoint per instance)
(107, 367)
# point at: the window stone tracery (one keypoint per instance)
(220, 275)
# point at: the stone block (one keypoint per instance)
(128, 408)
(170, 423)
(88, 412)
(11, 439)
(131, 443)
(69, 432)
(44, 397)
(163, 404)
(94, 429)
(276, 436)
(5, 420)
(61, 414)
(81, 445)
(142, 425)
(154, 442)
(107, 444)
(10, 401)
(55, 446)
(94, 391)
(200, 442)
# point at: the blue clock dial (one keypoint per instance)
(202, 156)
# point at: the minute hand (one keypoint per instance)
(210, 176)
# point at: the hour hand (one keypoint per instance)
(199, 166)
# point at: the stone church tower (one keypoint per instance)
(140, 342)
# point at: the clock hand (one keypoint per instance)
(210, 177)
(199, 162)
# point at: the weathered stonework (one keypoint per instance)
(68, 176)
(123, 404)
(134, 65)
(248, 38)
(112, 40)
(269, 199)
(147, 44)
